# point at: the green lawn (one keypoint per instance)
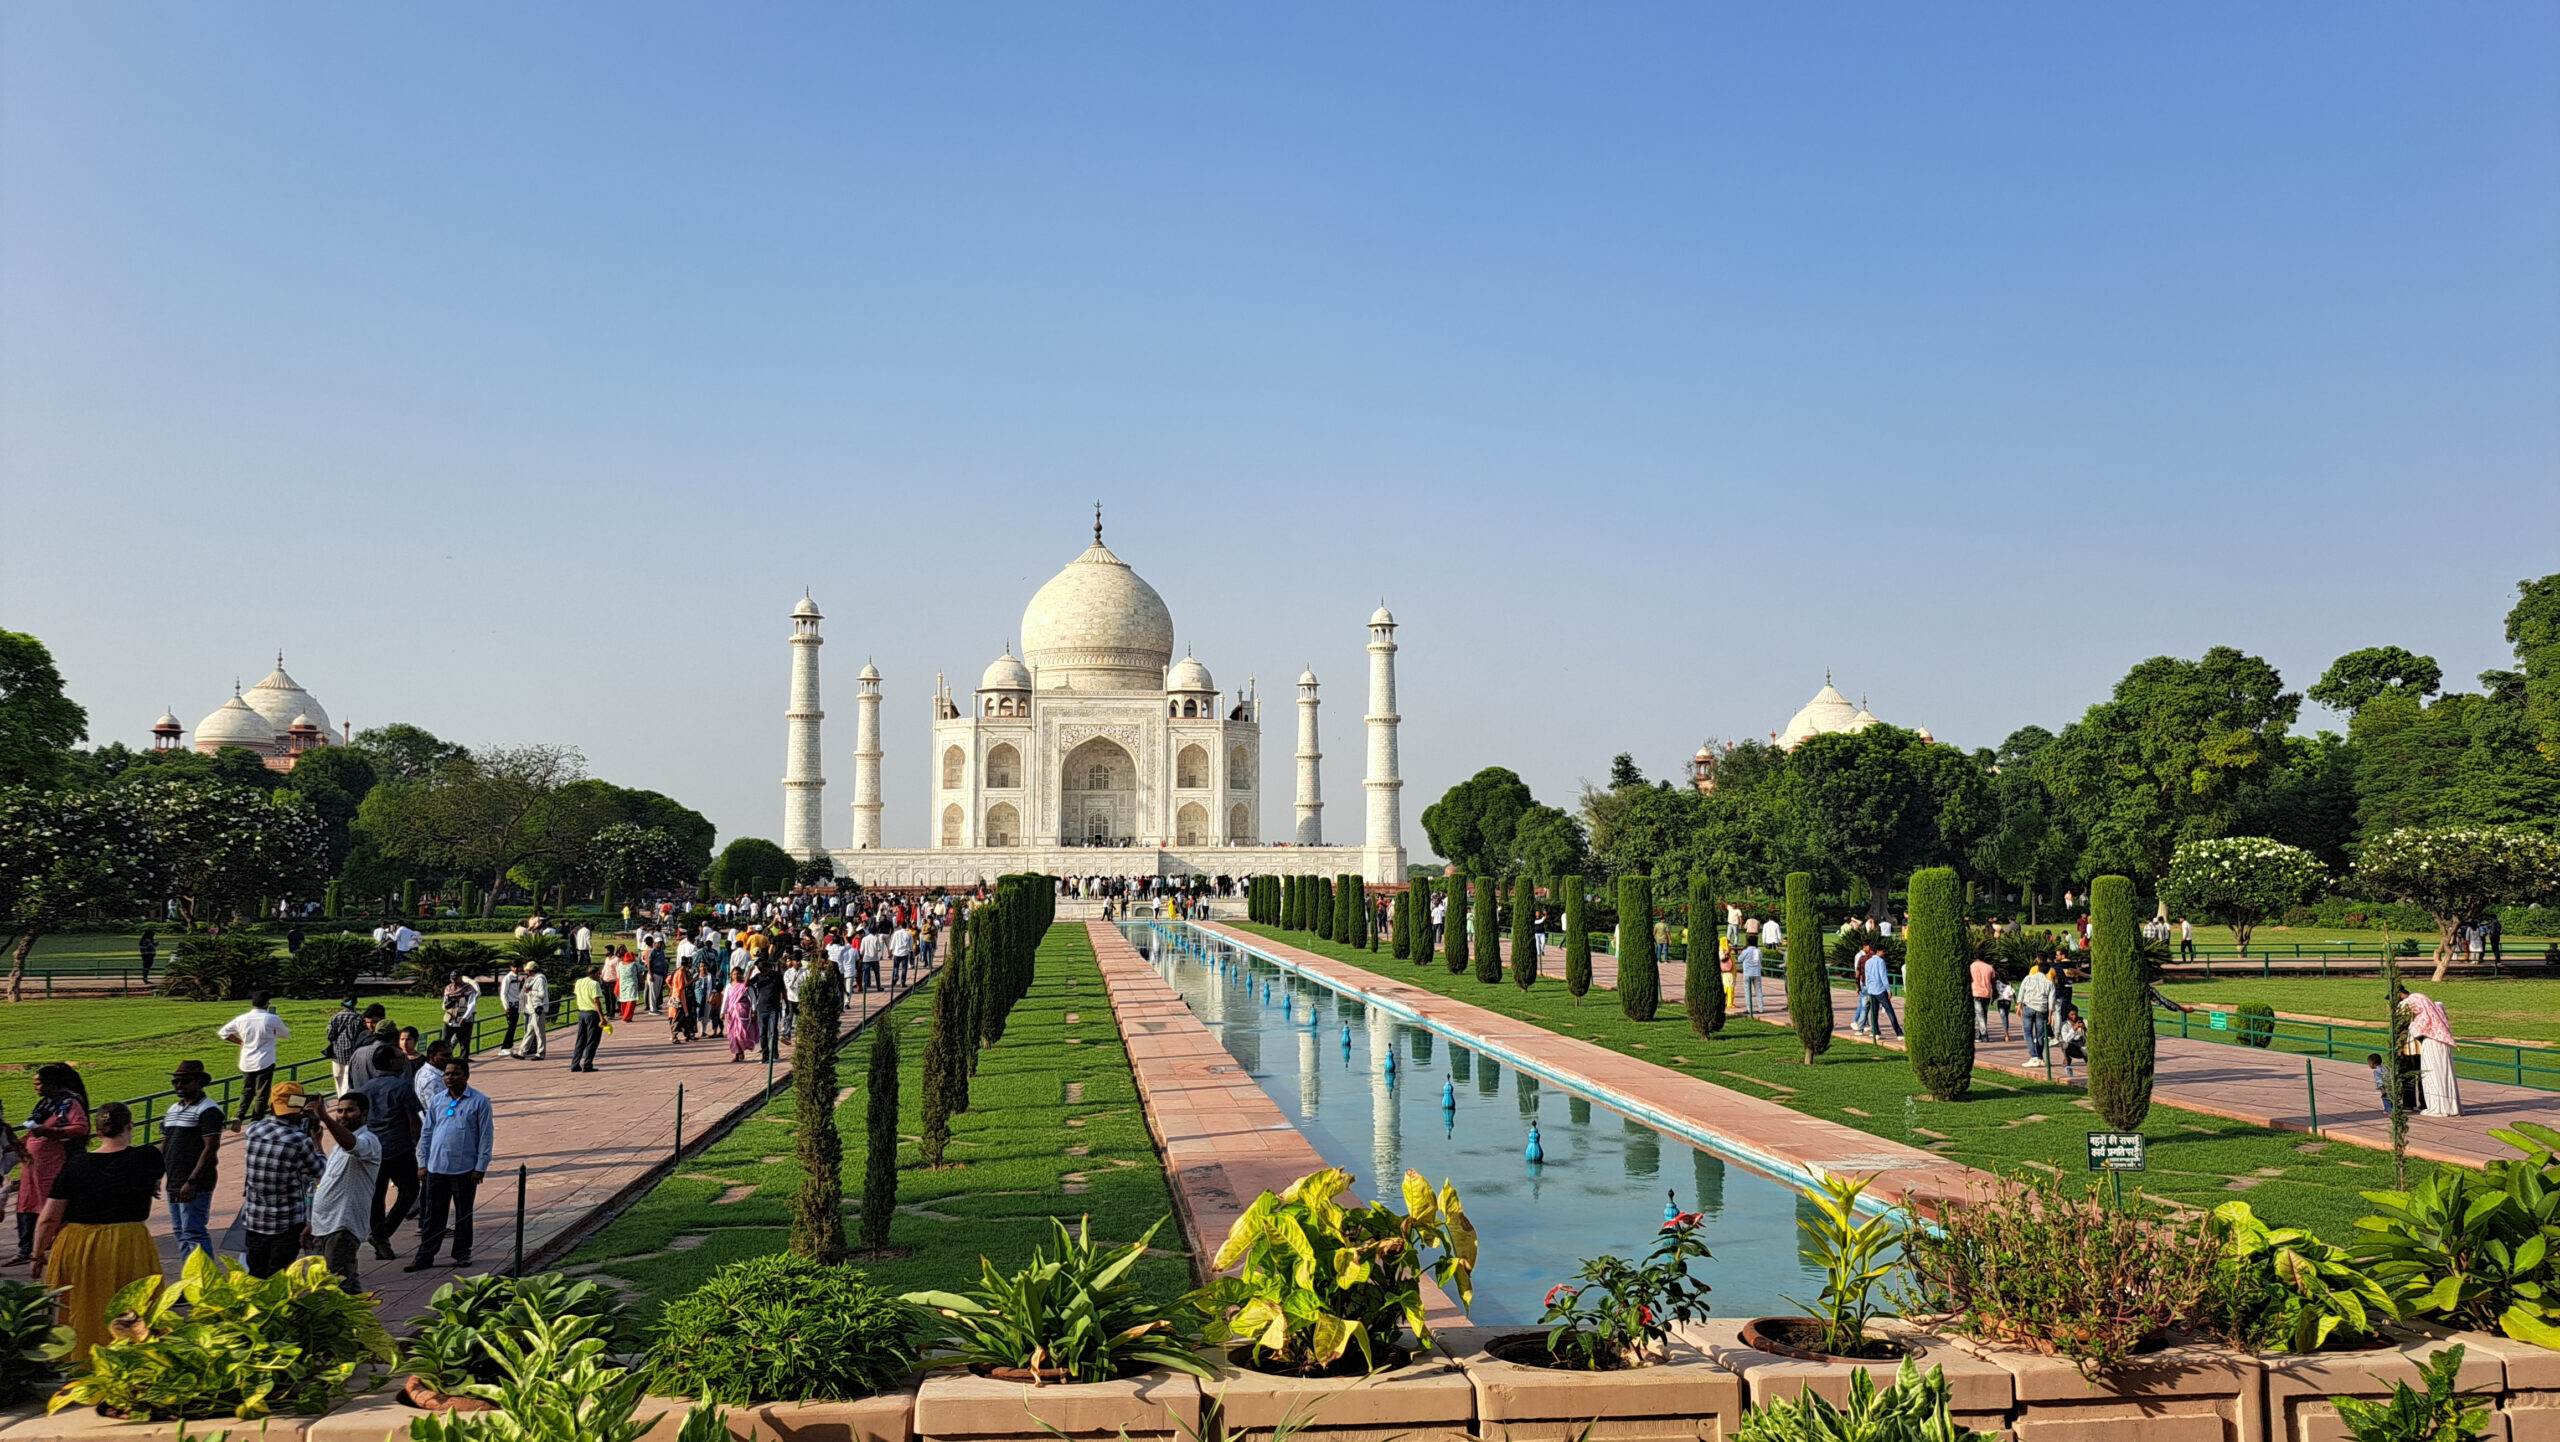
(1019, 1149)
(2522, 1008)
(124, 1046)
(2008, 1124)
(119, 951)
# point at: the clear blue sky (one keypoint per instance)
(514, 367)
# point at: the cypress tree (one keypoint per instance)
(880, 1159)
(1455, 928)
(946, 1076)
(1342, 908)
(1320, 896)
(1400, 926)
(1418, 919)
(1355, 906)
(1704, 979)
(1488, 930)
(1808, 983)
(2120, 1041)
(1577, 940)
(1288, 903)
(817, 1209)
(1524, 951)
(409, 899)
(1937, 1010)
(984, 942)
(1639, 976)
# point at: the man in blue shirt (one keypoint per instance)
(456, 1133)
(1875, 994)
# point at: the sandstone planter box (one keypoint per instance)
(85, 1425)
(2299, 1388)
(2530, 1407)
(384, 1415)
(1980, 1392)
(2193, 1392)
(1427, 1400)
(889, 1417)
(1686, 1397)
(958, 1406)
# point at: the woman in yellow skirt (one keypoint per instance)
(94, 1237)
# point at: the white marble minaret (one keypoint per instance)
(866, 761)
(803, 789)
(1383, 847)
(1310, 789)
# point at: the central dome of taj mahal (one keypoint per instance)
(1098, 626)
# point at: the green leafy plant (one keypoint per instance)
(1073, 1312)
(433, 964)
(2283, 1289)
(2054, 1269)
(1853, 1255)
(2439, 1414)
(449, 1344)
(1620, 1310)
(326, 966)
(2257, 1023)
(219, 968)
(221, 1342)
(2475, 1249)
(556, 1386)
(782, 1328)
(1916, 1408)
(32, 1344)
(1317, 1279)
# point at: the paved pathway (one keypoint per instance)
(587, 1140)
(1777, 1139)
(2220, 1079)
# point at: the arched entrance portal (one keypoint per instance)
(1098, 795)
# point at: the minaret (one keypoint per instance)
(1384, 858)
(803, 789)
(866, 761)
(1310, 790)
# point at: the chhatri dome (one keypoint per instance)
(237, 723)
(1097, 626)
(1189, 675)
(1004, 673)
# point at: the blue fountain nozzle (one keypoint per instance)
(1670, 1204)
(1448, 1096)
(1391, 1061)
(1536, 1151)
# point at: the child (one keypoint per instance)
(2074, 1036)
(2381, 1079)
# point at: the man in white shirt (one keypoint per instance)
(1747, 969)
(792, 971)
(902, 951)
(511, 996)
(875, 949)
(405, 940)
(257, 1031)
(1772, 936)
(586, 943)
(342, 1200)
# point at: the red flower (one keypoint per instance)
(1551, 1293)
(1648, 1316)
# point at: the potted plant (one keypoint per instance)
(1617, 1314)
(1853, 1258)
(450, 1346)
(1324, 1292)
(1069, 1344)
(1918, 1407)
(2281, 1289)
(220, 1342)
(556, 1386)
(783, 1328)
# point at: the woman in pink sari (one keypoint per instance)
(738, 1015)
(2433, 1032)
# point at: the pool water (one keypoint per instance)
(1455, 1115)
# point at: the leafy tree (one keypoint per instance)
(1550, 842)
(407, 752)
(489, 813)
(1882, 802)
(1623, 772)
(2032, 845)
(1488, 931)
(1474, 823)
(2121, 1046)
(2358, 676)
(751, 864)
(38, 723)
(225, 847)
(1524, 951)
(1639, 975)
(816, 871)
(1808, 980)
(2460, 760)
(2169, 758)
(1577, 938)
(1704, 979)
(687, 830)
(1939, 1042)
(2309, 799)
(2533, 629)
(880, 1150)
(2458, 872)
(817, 1209)
(334, 781)
(2241, 882)
(66, 853)
(637, 858)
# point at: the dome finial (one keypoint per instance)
(1097, 523)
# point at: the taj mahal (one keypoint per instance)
(1094, 752)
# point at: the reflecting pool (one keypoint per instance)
(1453, 1114)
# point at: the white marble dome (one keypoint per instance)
(1097, 626)
(1004, 673)
(807, 607)
(1382, 617)
(236, 723)
(1189, 675)
(281, 699)
(1827, 712)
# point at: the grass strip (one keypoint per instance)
(1022, 1154)
(124, 1046)
(2008, 1124)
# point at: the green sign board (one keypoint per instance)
(2221, 1020)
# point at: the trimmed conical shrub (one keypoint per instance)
(2120, 1041)
(1577, 940)
(1488, 931)
(1639, 976)
(1808, 980)
(1524, 951)
(1937, 1006)
(880, 1156)
(1325, 917)
(1418, 919)
(1703, 980)
(1400, 925)
(817, 1208)
(1288, 903)
(1454, 930)
(946, 1071)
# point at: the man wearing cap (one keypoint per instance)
(257, 1031)
(280, 1161)
(190, 1136)
(456, 1135)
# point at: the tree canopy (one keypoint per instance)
(1475, 823)
(752, 864)
(2358, 676)
(38, 723)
